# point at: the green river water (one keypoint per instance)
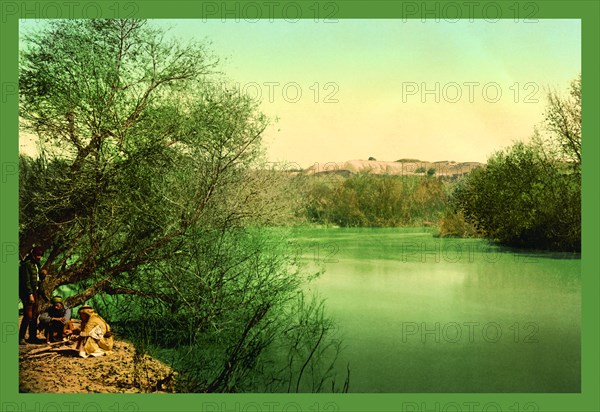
(424, 314)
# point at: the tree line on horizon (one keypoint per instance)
(527, 195)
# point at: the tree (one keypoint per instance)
(563, 122)
(529, 195)
(148, 187)
(140, 151)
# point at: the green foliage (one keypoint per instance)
(237, 321)
(372, 158)
(136, 149)
(454, 224)
(304, 344)
(374, 200)
(420, 169)
(431, 171)
(523, 199)
(231, 317)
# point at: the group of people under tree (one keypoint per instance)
(92, 338)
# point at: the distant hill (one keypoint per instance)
(399, 167)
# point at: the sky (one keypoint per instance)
(392, 89)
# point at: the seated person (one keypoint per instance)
(95, 337)
(56, 321)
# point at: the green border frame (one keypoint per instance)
(11, 400)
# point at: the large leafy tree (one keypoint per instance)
(137, 149)
(148, 189)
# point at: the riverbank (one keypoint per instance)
(58, 369)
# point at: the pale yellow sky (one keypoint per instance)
(392, 89)
(487, 83)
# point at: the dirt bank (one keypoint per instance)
(58, 369)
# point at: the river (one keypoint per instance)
(424, 314)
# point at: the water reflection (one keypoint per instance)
(384, 281)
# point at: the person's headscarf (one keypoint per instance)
(86, 310)
(57, 299)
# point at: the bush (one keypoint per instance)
(524, 199)
(453, 224)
